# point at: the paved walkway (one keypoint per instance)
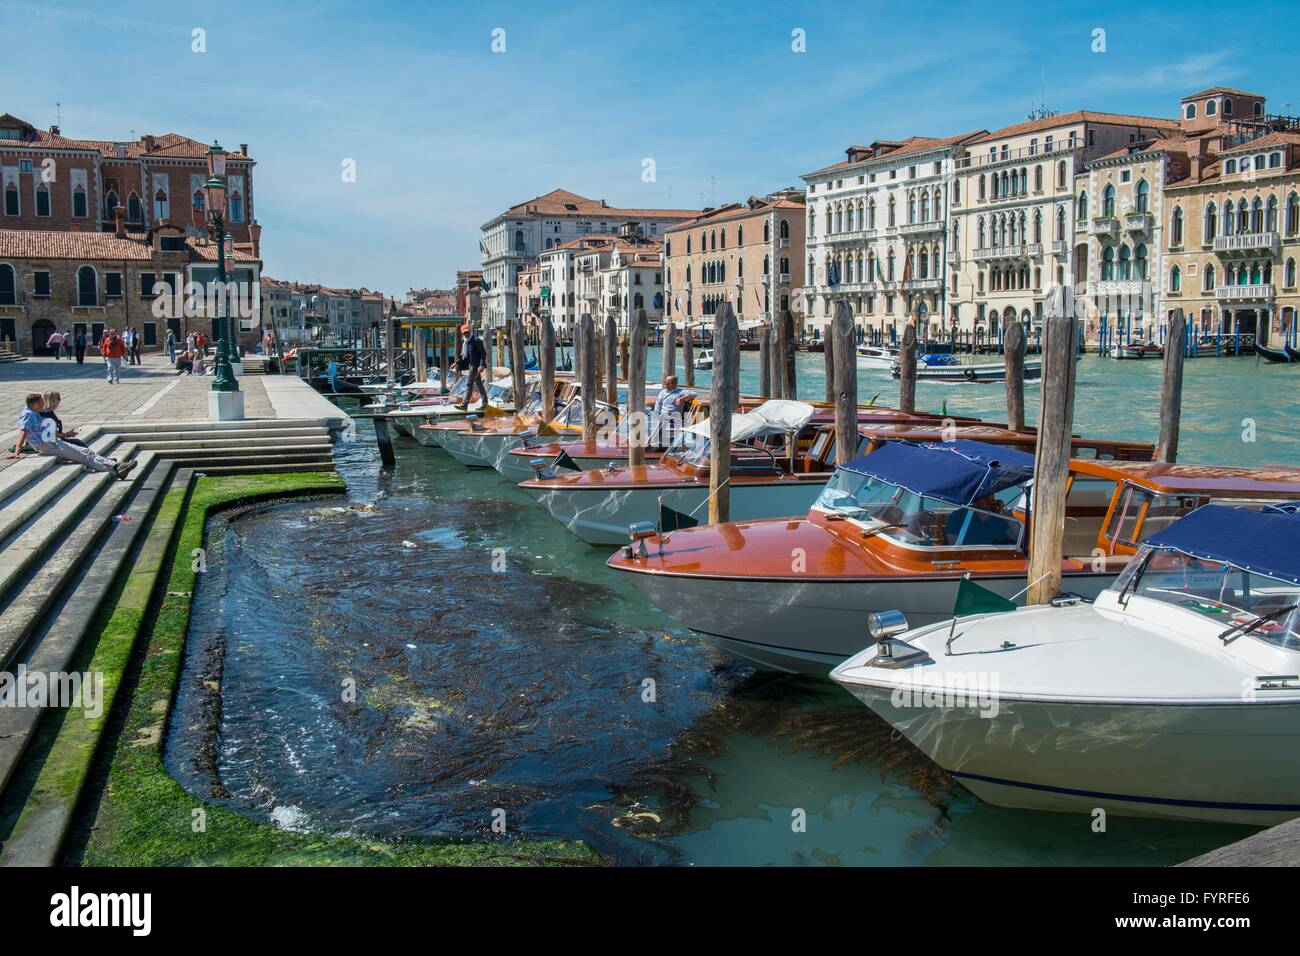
(148, 392)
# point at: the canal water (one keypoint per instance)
(434, 652)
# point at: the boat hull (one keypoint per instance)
(1215, 763)
(600, 516)
(808, 627)
(477, 450)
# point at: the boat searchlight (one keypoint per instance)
(540, 469)
(884, 626)
(640, 532)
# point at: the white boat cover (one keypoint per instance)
(777, 417)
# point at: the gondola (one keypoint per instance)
(1273, 355)
(1294, 352)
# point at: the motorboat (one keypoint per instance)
(704, 360)
(409, 416)
(877, 356)
(1137, 350)
(771, 474)
(1175, 694)
(739, 584)
(948, 368)
(480, 442)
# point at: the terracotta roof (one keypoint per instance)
(582, 242)
(37, 244)
(734, 212)
(1212, 91)
(168, 145)
(906, 147)
(561, 202)
(1165, 144)
(1078, 116)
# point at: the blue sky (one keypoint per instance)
(446, 133)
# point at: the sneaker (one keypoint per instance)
(124, 469)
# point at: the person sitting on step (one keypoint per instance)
(40, 433)
(52, 400)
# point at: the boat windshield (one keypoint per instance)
(571, 414)
(1254, 604)
(918, 521)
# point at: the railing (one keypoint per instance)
(1023, 250)
(1244, 293)
(785, 242)
(1058, 247)
(1011, 155)
(1103, 226)
(1119, 287)
(783, 278)
(925, 285)
(1137, 221)
(915, 228)
(854, 236)
(1248, 242)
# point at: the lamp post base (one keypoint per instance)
(226, 406)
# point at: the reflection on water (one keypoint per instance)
(435, 647)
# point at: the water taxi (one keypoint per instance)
(1175, 694)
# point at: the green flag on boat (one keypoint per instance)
(565, 461)
(973, 599)
(671, 519)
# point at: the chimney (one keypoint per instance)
(54, 130)
(255, 234)
(149, 142)
(1196, 159)
(243, 148)
(119, 217)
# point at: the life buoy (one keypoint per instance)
(970, 374)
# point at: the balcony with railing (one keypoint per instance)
(1104, 226)
(857, 235)
(1244, 293)
(1120, 287)
(1138, 222)
(783, 278)
(1248, 243)
(784, 242)
(1022, 250)
(920, 228)
(1059, 247)
(931, 284)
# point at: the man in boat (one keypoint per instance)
(473, 355)
(668, 410)
(982, 523)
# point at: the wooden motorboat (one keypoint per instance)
(480, 442)
(1173, 695)
(1138, 350)
(946, 368)
(737, 584)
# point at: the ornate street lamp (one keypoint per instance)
(214, 191)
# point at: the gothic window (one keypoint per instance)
(1176, 227)
(1108, 200)
(1143, 196)
(160, 206)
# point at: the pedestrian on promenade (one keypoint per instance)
(79, 341)
(137, 345)
(55, 343)
(41, 434)
(189, 342)
(128, 339)
(473, 354)
(171, 347)
(113, 349)
(67, 345)
(52, 401)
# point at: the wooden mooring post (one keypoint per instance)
(385, 441)
(546, 363)
(1171, 389)
(390, 355)
(636, 367)
(1014, 357)
(585, 350)
(445, 360)
(846, 384)
(726, 366)
(517, 378)
(610, 360)
(765, 342)
(688, 355)
(598, 354)
(828, 361)
(907, 370)
(786, 356)
(670, 352)
(1052, 453)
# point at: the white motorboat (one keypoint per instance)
(1176, 694)
(877, 356)
(947, 368)
(704, 360)
(408, 417)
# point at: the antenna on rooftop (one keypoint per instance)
(58, 114)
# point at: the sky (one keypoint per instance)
(450, 113)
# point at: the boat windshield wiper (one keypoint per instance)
(1258, 622)
(870, 532)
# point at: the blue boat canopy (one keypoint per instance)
(1257, 541)
(959, 472)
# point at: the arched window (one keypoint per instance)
(979, 233)
(1190, 112)
(889, 275)
(785, 229)
(1227, 106)
(1038, 178)
(1081, 212)
(160, 206)
(892, 219)
(1211, 228)
(134, 211)
(1176, 227)
(740, 231)
(688, 245)
(1208, 282)
(1038, 225)
(236, 207)
(1270, 215)
(713, 239)
(519, 240)
(197, 200)
(871, 214)
(724, 238)
(923, 264)
(1292, 213)
(110, 203)
(1211, 108)
(850, 218)
(1060, 223)
(1125, 263)
(981, 187)
(1256, 276)
(42, 199)
(830, 222)
(767, 264)
(1060, 175)
(1288, 274)
(12, 207)
(1143, 196)
(1140, 262)
(1108, 264)
(956, 235)
(1108, 200)
(911, 208)
(1257, 215)
(87, 286)
(8, 285)
(1175, 279)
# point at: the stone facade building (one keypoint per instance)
(750, 254)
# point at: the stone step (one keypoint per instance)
(86, 565)
(29, 497)
(233, 463)
(248, 452)
(319, 432)
(249, 443)
(258, 424)
(275, 469)
(24, 553)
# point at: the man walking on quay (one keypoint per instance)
(41, 434)
(473, 356)
(112, 348)
(80, 342)
(55, 343)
